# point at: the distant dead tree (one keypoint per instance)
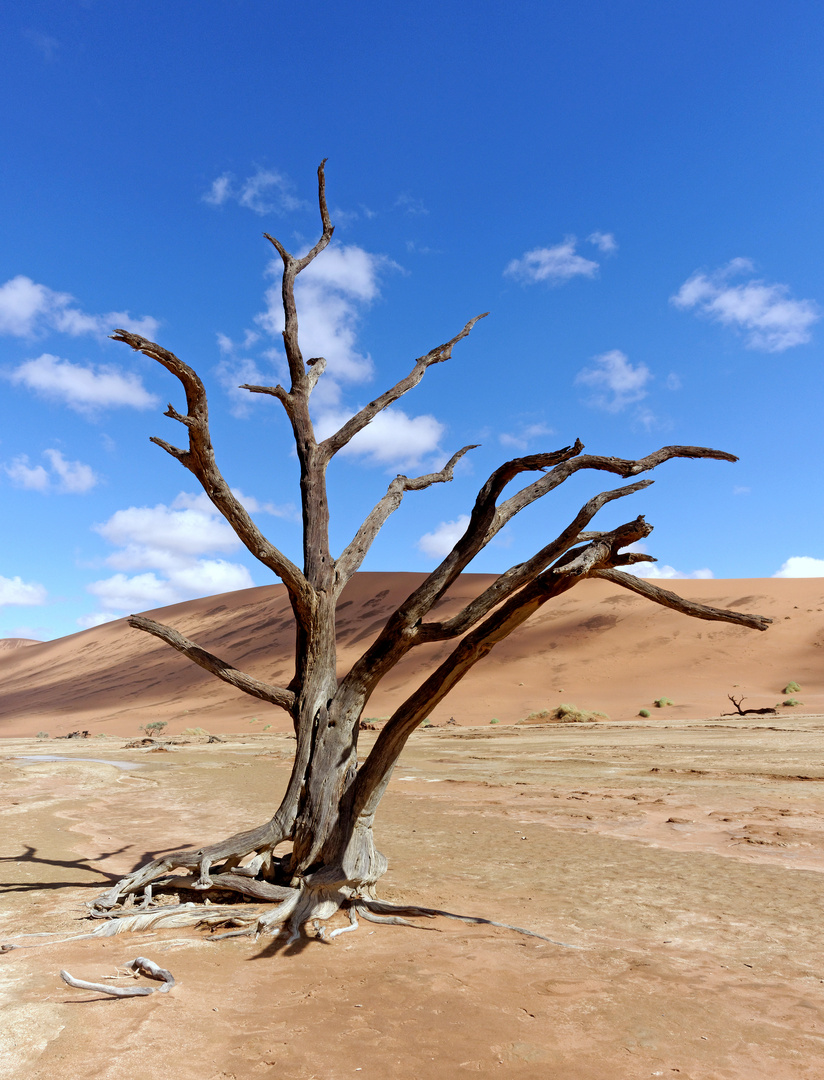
(746, 712)
(330, 802)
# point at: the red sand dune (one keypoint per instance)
(598, 646)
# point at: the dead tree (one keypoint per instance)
(746, 712)
(328, 809)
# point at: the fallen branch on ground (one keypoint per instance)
(139, 964)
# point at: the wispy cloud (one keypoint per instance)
(265, 192)
(766, 314)
(70, 477)
(614, 380)
(85, 389)
(30, 310)
(45, 44)
(523, 436)
(801, 566)
(554, 265)
(16, 591)
(604, 241)
(441, 540)
(410, 204)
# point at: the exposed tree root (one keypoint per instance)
(259, 842)
(139, 964)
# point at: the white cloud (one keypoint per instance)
(660, 572)
(615, 381)
(30, 310)
(16, 591)
(169, 545)
(554, 265)
(142, 591)
(75, 477)
(266, 191)
(82, 388)
(440, 541)
(769, 318)
(331, 295)
(23, 475)
(133, 593)
(71, 477)
(665, 572)
(167, 538)
(521, 439)
(801, 566)
(392, 438)
(220, 191)
(604, 241)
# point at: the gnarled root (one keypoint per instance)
(259, 842)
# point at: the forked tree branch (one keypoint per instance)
(291, 268)
(351, 558)
(275, 695)
(517, 576)
(199, 459)
(329, 447)
(678, 603)
(403, 627)
(619, 466)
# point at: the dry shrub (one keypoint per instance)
(563, 714)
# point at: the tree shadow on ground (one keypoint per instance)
(31, 856)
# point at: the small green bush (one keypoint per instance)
(791, 688)
(155, 727)
(662, 702)
(792, 701)
(494, 720)
(42, 735)
(266, 727)
(644, 712)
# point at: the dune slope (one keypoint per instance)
(599, 647)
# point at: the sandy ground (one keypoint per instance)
(680, 862)
(598, 647)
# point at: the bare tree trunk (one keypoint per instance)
(329, 806)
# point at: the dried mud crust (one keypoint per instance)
(705, 959)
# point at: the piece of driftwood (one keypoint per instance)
(140, 964)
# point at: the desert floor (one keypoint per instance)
(679, 861)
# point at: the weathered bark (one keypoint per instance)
(329, 806)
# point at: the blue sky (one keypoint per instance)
(632, 190)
